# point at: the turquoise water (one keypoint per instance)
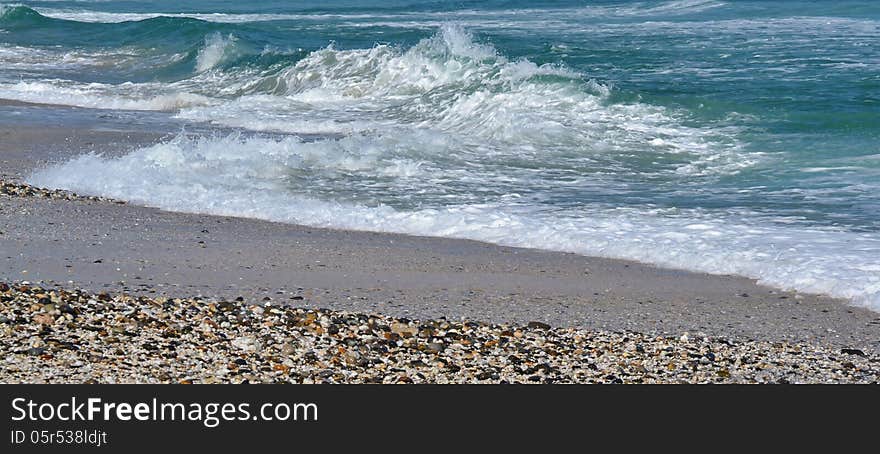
(732, 137)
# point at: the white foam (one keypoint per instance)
(273, 179)
(428, 132)
(453, 84)
(498, 17)
(215, 49)
(49, 59)
(101, 96)
(6, 7)
(449, 83)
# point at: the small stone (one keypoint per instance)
(351, 357)
(44, 319)
(403, 329)
(538, 325)
(287, 349)
(245, 343)
(129, 338)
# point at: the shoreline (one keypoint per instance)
(100, 245)
(104, 245)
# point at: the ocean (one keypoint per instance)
(727, 137)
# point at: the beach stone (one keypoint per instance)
(403, 329)
(169, 344)
(538, 325)
(287, 349)
(44, 319)
(246, 343)
(351, 357)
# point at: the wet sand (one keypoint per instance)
(106, 246)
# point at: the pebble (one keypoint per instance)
(118, 338)
(12, 189)
(538, 325)
(246, 343)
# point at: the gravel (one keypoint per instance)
(60, 335)
(13, 189)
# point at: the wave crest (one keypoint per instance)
(13, 13)
(450, 82)
(217, 49)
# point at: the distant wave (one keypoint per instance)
(668, 8)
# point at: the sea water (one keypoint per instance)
(728, 137)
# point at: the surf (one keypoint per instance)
(700, 135)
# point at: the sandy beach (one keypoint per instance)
(103, 246)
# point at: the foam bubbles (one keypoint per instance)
(449, 137)
(101, 96)
(281, 180)
(215, 50)
(453, 84)
(500, 18)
